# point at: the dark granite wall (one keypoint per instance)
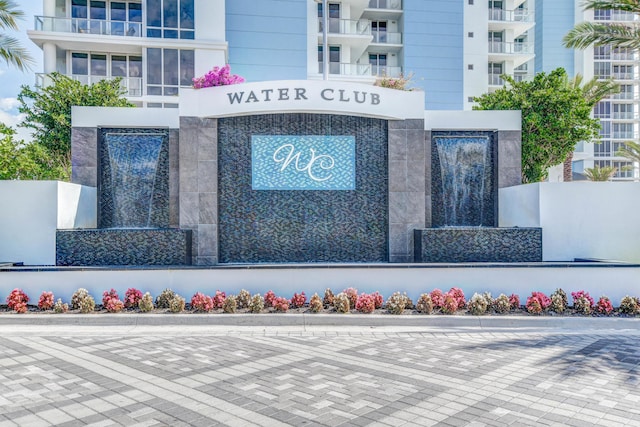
(302, 226)
(144, 178)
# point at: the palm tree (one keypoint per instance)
(631, 151)
(10, 48)
(598, 173)
(594, 91)
(586, 34)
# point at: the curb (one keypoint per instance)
(319, 320)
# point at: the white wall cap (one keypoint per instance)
(474, 119)
(302, 96)
(92, 117)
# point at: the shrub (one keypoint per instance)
(541, 298)
(582, 302)
(604, 306)
(514, 302)
(502, 304)
(377, 299)
(60, 307)
(132, 298)
(450, 304)
(256, 305)
(281, 304)
(328, 298)
(201, 302)
(533, 306)
(629, 305)
(458, 295)
(269, 299)
(563, 295)
(437, 298)
(230, 304)
(218, 299)
(146, 303)
(424, 304)
(557, 303)
(111, 301)
(46, 301)
(176, 304)
(77, 298)
(478, 304)
(87, 304)
(487, 296)
(243, 298)
(165, 298)
(365, 303)
(315, 303)
(218, 76)
(298, 300)
(397, 302)
(399, 83)
(341, 303)
(352, 294)
(17, 301)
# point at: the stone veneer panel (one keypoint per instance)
(135, 247)
(84, 156)
(408, 157)
(509, 158)
(198, 186)
(301, 226)
(478, 244)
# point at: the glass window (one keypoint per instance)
(170, 34)
(79, 64)
(118, 11)
(79, 8)
(187, 14)
(187, 69)
(154, 66)
(135, 12)
(602, 110)
(154, 13)
(118, 66)
(98, 10)
(170, 12)
(98, 65)
(170, 64)
(602, 69)
(135, 66)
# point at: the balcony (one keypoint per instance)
(131, 85)
(385, 4)
(88, 26)
(622, 76)
(347, 69)
(361, 27)
(626, 95)
(518, 15)
(510, 48)
(386, 37)
(378, 10)
(386, 71)
(624, 115)
(523, 77)
(495, 80)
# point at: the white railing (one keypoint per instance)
(622, 76)
(495, 80)
(625, 95)
(518, 15)
(88, 26)
(347, 69)
(523, 77)
(347, 26)
(510, 48)
(625, 135)
(385, 37)
(386, 71)
(625, 115)
(131, 85)
(385, 4)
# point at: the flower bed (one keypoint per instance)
(436, 302)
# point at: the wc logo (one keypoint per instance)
(302, 162)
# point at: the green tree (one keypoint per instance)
(555, 117)
(10, 48)
(48, 110)
(25, 161)
(615, 34)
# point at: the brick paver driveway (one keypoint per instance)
(187, 375)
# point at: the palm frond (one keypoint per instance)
(586, 34)
(13, 53)
(625, 5)
(597, 173)
(9, 14)
(630, 150)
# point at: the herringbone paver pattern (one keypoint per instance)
(327, 378)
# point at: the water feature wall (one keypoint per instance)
(464, 179)
(133, 183)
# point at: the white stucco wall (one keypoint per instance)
(578, 219)
(32, 212)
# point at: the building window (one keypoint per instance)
(168, 69)
(469, 66)
(334, 59)
(470, 99)
(623, 169)
(623, 72)
(470, 34)
(603, 149)
(90, 68)
(379, 31)
(601, 15)
(379, 65)
(602, 70)
(623, 131)
(171, 19)
(602, 52)
(602, 110)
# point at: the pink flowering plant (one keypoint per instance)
(582, 302)
(46, 301)
(132, 297)
(281, 304)
(604, 306)
(514, 301)
(269, 299)
(298, 300)
(218, 76)
(17, 301)
(218, 299)
(352, 294)
(537, 302)
(458, 295)
(201, 302)
(437, 298)
(111, 301)
(365, 303)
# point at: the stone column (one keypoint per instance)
(407, 186)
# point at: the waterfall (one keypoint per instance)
(133, 161)
(466, 179)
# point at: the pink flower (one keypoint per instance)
(201, 302)
(46, 301)
(298, 300)
(269, 299)
(437, 298)
(366, 303)
(132, 297)
(604, 305)
(217, 77)
(218, 299)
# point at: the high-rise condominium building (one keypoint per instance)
(454, 50)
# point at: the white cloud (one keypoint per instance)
(8, 104)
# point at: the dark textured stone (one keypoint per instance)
(123, 247)
(302, 226)
(474, 244)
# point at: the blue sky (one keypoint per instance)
(11, 78)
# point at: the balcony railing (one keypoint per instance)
(131, 85)
(386, 71)
(625, 95)
(625, 115)
(622, 76)
(385, 4)
(88, 26)
(385, 37)
(523, 77)
(347, 26)
(518, 15)
(510, 48)
(495, 80)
